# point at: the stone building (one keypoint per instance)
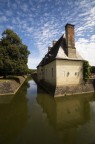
(62, 65)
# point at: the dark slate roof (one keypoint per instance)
(58, 51)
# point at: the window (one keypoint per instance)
(76, 73)
(68, 74)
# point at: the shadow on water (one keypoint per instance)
(66, 114)
(13, 115)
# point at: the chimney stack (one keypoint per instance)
(70, 40)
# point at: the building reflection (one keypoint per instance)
(66, 113)
(13, 115)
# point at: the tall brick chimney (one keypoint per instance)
(70, 40)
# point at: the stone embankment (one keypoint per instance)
(58, 91)
(74, 89)
(11, 85)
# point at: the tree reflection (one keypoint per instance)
(13, 115)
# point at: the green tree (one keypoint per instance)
(93, 69)
(86, 70)
(13, 54)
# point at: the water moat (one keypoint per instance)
(33, 117)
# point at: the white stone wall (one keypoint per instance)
(61, 72)
(50, 73)
(69, 72)
(47, 73)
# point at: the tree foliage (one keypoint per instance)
(86, 70)
(93, 69)
(13, 54)
(31, 71)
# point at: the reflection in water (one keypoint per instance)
(66, 114)
(6, 99)
(13, 115)
(33, 117)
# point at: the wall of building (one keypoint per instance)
(50, 73)
(39, 73)
(47, 73)
(69, 72)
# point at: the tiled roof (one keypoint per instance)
(58, 51)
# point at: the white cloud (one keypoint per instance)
(24, 7)
(52, 29)
(3, 19)
(9, 13)
(33, 61)
(10, 27)
(45, 22)
(92, 39)
(87, 49)
(29, 30)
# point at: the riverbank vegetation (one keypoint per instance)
(32, 71)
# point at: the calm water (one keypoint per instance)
(33, 117)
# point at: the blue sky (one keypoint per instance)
(39, 22)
